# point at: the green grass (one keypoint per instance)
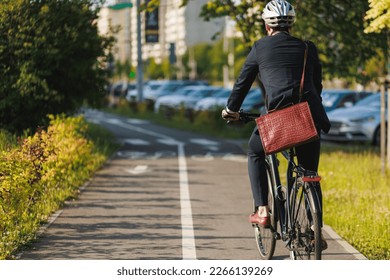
(355, 192)
(357, 198)
(104, 141)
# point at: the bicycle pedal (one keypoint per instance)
(277, 236)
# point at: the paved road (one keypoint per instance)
(165, 195)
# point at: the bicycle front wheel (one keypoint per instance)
(305, 220)
(265, 238)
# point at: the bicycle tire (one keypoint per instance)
(265, 238)
(305, 214)
(317, 220)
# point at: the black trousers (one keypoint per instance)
(308, 156)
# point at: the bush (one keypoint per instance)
(39, 174)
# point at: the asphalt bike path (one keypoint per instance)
(165, 195)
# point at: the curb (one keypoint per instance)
(348, 247)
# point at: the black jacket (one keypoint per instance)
(278, 60)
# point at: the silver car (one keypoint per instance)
(358, 123)
(187, 97)
(339, 98)
(217, 101)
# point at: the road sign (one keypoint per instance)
(120, 6)
(151, 25)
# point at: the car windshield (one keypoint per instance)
(187, 92)
(372, 101)
(154, 86)
(223, 93)
(329, 99)
(172, 86)
(201, 93)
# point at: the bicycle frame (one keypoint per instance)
(284, 216)
(276, 186)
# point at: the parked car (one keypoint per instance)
(118, 90)
(157, 88)
(254, 101)
(154, 88)
(218, 100)
(148, 86)
(187, 97)
(339, 98)
(358, 123)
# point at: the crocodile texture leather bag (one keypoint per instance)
(288, 127)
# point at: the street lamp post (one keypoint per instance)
(139, 54)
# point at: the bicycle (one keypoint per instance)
(295, 209)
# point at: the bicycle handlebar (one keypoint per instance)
(246, 117)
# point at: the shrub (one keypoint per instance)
(38, 174)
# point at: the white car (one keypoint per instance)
(252, 102)
(187, 97)
(157, 88)
(213, 102)
(151, 89)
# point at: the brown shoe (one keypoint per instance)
(261, 221)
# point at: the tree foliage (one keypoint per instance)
(378, 16)
(51, 59)
(337, 27)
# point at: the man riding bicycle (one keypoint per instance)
(277, 60)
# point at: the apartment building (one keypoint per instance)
(179, 28)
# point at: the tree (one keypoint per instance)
(52, 59)
(337, 27)
(378, 17)
(153, 70)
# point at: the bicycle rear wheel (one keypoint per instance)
(265, 238)
(306, 217)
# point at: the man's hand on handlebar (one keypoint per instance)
(229, 115)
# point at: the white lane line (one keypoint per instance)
(207, 157)
(139, 169)
(204, 142)
(187, 228)
(135, 128)
(137, 142)
(188, 237)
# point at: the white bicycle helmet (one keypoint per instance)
(279, 13)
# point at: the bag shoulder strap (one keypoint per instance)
(303, 73)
